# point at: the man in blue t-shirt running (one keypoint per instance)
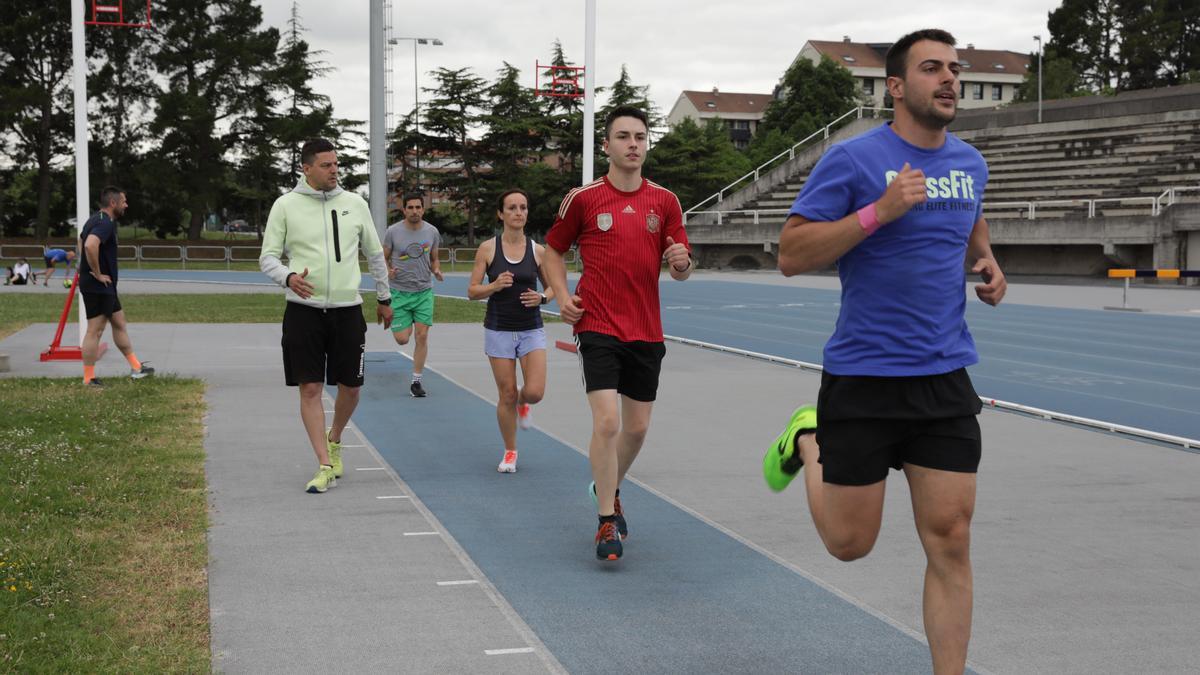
(899, 210)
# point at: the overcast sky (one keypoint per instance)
(670, 45)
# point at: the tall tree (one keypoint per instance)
(625, 92)
(452, 116)
(122, 93)
(811, 96)
(1181, 41)
(35, 101)
(695, 161)
(566, 121)
(212, 57)
(307, 114)
(516, 128)
(1087, 33)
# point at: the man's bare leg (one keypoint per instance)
(943, 504)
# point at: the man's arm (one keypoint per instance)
(555, 271)
(91, 248)
(435, 265)
(979, 249)
(806, 245)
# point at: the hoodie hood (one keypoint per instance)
(304, 188)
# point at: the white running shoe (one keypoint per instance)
(509, 463)
(524, 416)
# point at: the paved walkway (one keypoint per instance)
(1086, 546)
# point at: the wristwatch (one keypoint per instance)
(544, 298)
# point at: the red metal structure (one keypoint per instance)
(558, 81)
(56, 352)
(112, 13)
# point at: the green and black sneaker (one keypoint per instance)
(782, 461)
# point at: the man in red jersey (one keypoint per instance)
(626, 226)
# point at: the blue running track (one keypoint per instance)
(1138, 370)
(685, 599)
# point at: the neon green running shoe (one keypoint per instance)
(782, 461)
(322, 481)
(335, 456)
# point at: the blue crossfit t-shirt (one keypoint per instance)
(903, 302)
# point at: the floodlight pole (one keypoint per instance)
(417, 97)
(378, 151)
(589, 91)
(82, 190)
(1039, 41)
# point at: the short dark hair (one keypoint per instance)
(314, 147)
(511, 191)
(409, 196)
(109, 194)
(897, 55)
(624, 111)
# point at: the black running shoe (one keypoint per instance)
(608, 542)
(416, 390)
(94, 383)
(622, 528)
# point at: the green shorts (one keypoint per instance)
(410, 308)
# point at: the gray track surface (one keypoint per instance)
(1086, 546)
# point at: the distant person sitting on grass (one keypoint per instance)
(52, 257)
(19, 274)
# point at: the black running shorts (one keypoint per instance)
(323, 344)
(867, 425)
(632, 368)
(95, 304)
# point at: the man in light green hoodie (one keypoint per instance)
(320, 228)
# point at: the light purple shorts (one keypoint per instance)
(512, 344)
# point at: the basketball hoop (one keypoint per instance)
(112, 13)
(558, 81)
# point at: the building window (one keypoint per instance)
(977, 91)
(741, 124)
(848, 59)
(997, 92)
(868, 86)
(962, 89)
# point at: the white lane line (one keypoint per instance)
(420, 534)
(347, 445)
(371, 468)
(461, 582)
(514, 650)
(394, 497)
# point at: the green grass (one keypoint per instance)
(102, 544)
(18, 310)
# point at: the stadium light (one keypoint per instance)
(434, 42)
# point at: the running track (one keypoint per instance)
(1138, 370)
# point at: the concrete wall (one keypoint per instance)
(1185, 98)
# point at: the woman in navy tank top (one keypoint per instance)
(512, 328)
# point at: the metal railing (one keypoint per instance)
(1029, 209)
(823, 134)
(754, 213)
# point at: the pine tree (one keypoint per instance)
(452, 116)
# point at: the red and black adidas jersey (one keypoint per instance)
(621, 236)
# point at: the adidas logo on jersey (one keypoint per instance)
(628, 209)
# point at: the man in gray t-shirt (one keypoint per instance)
(411, 250)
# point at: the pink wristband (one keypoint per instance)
(868, 220)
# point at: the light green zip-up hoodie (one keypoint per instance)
(323, 232)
